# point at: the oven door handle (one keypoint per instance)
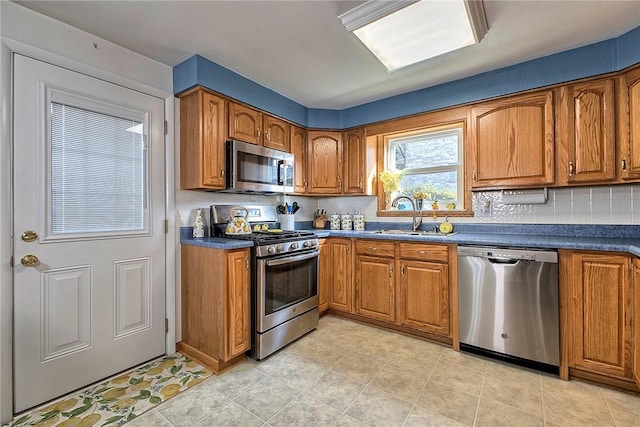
(290, 259)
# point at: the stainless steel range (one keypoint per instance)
(284, 280)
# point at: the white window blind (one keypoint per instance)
(98, 172)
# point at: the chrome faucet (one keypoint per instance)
(416, 221)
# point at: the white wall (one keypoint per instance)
(43, 38)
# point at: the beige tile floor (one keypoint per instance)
(349, 374)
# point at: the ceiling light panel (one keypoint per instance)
(416, 32)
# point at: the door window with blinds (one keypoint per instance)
(96, 169)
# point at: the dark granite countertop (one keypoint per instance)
(615, 238)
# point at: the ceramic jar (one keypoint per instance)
(358, 222)
(347, 221)
(334, 221)
(198, 225)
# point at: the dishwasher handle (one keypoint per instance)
(503, 261)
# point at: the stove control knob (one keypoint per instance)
(307, 244)
(271, 249)
(279, 248)
(293, 247)
(312, 243)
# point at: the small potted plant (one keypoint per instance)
(390, 181)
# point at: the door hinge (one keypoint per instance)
(166, 127)
(166, 226)
(166, 325)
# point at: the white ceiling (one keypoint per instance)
(301, 50)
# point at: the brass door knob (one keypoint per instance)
(29, 260)
(29, 236)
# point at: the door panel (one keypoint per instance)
(89, 181)
(66, 316)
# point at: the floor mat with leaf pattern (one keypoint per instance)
(120, 399)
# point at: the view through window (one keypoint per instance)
(430, 165)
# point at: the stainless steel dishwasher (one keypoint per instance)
(508, 304)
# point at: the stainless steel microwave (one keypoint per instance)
(255, 169)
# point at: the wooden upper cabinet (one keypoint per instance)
(512, 141)
(202, 141)
(324, 150)
(245, 124)
(276, 133)
(354, 161)
(299, 151)
(600, 312)
(629, 124)
(586, 132)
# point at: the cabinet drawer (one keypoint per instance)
(375, 247)
(424, 252)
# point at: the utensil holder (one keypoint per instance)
(288, 222)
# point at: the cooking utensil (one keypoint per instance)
(281, 209)
(295, 207)
(238, 223)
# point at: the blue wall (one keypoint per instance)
(598, 58)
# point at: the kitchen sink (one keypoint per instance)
(412, 233)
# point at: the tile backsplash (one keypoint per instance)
(578, 205)
(617, 204)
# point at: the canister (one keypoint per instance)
(334, 221)
(347, 221)
(358, 222)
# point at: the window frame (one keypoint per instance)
(464, 181)
(72, 99)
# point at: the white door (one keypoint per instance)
(89, 273)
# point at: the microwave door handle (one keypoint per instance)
(290, 259)
(281, 172)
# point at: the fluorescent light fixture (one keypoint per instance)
(401, 33)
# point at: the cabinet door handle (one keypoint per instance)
(402, 270)
(373, 249)
(474, 176)
(305, 184)
(258, 132)
(340, 184)
(267, 135)
(390, 270)
(222, 173)
(623, 164)
(572, 169)
(246, 264)
(360, 187)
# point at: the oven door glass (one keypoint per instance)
(287, 287)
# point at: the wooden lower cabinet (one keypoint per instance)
(403, 283)
(600, 312)
(341, 292)
(423, 296)
(324, 275)
(215, 305)
(636, 321)
(374, 287)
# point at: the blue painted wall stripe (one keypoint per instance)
(598, 58)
